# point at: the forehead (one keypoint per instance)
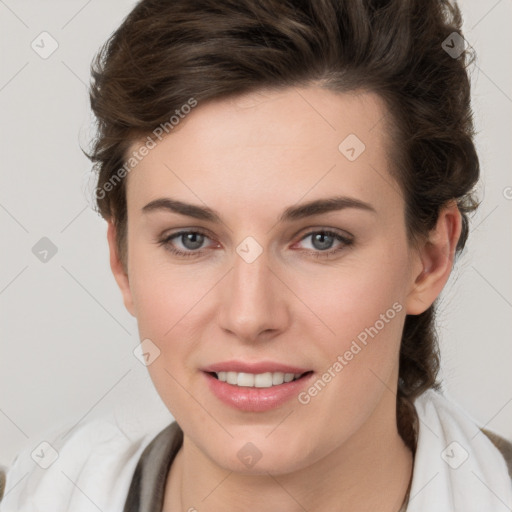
(268, 148)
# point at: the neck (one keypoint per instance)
(370, 471)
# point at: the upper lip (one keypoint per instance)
(253, 367)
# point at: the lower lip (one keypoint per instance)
(256, 399)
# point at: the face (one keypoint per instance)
(262, 285)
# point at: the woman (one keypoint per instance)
(286, 186)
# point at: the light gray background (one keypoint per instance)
(66, 339)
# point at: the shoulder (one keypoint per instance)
(85, 467)
(454, 419)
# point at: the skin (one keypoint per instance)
(249, 158)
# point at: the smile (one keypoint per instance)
(259, 380)
(256, 392)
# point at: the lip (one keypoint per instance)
(252, 399)
(253, 367)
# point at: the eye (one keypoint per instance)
(323, 240)
(190, 241)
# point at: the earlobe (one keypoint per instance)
(118, 269)
(436, 256)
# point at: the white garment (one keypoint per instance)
(93, 470)
(456, 468)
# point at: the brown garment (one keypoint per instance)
(147, 488)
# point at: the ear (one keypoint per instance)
(118, 270)
(434, 260)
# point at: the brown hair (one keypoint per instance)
(167, 52)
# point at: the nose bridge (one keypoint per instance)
(250, 273)
(252, 302)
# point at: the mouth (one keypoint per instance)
(256, 386)
(257, 380)
(256, 392)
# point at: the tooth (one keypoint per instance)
(246, 379)
(232, 378)
(263, 380)
(277, 378)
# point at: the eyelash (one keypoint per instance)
(166, 241)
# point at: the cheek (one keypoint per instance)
(353, 298)
(162, 293)
(166, 300)
(170, 304)
(364, 308)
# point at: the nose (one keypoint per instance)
(253, 301)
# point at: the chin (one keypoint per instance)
(261, 455)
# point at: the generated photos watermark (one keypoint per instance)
(357, 345)
(143, 150)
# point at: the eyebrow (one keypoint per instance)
(291, 213)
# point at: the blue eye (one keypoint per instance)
(323, 240)
(192, 242)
